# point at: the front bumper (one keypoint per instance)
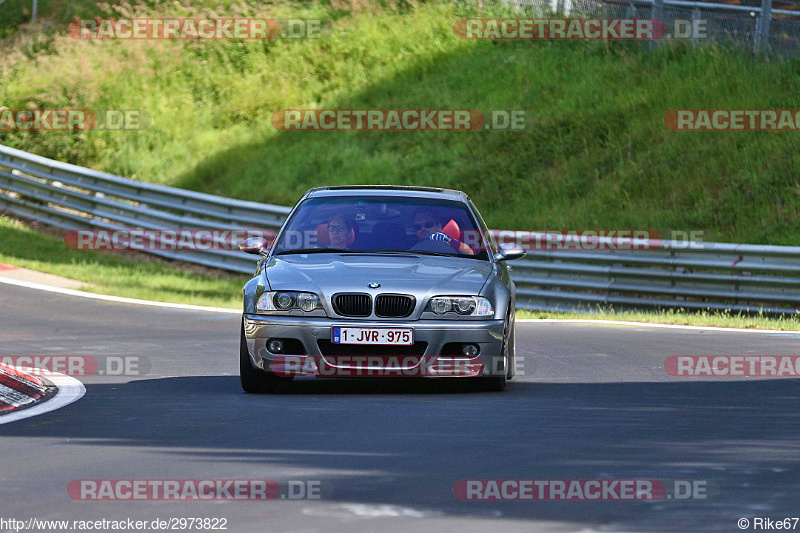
(428, 361)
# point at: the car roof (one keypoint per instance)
(399, 191)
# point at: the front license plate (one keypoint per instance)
(395, 336)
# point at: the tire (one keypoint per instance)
(498, 383)
(512, 353)
(254, 380)
(493, 384)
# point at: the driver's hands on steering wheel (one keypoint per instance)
(457, 245)
(440, 237)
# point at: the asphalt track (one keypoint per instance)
(594, 403)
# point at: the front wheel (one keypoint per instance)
(496, 383)
(512, 353)
(254, 380)
(493, 384)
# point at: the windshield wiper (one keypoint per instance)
(411, 252)
(439, 254)
(391, 251)
(364, 252)
(318, 251)
(423, 252)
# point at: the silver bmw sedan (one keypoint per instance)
(379, 281)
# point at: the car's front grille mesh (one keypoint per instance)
(394, 305)
(352, 304)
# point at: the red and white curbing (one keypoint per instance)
(18, 389)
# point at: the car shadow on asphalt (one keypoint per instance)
(406, 443)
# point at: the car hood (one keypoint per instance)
(420, 275)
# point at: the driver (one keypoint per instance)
(427, 225)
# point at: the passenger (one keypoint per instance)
(340, 232)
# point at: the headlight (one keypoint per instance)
(308, 301)
(461, 305)
(277, 301)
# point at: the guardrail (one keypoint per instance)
(754, 22)
(717, 276)
(762, 28)
(73, 197)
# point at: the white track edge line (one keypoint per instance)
(656, 325)
(69, 390)
(118, 299)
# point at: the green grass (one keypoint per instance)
(109, 274)
(597, 153)
(676, 316)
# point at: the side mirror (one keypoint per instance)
(509, 252)
(254, 245)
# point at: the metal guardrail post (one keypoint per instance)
(657, 12)
(695, 21)
(762, 34)
(756, 32)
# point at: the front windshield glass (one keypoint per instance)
(375, 224)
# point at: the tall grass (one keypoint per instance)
(596, 153)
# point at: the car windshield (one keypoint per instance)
(388, 225)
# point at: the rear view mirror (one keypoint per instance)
(254, 245)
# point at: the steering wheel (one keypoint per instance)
(427, 245)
